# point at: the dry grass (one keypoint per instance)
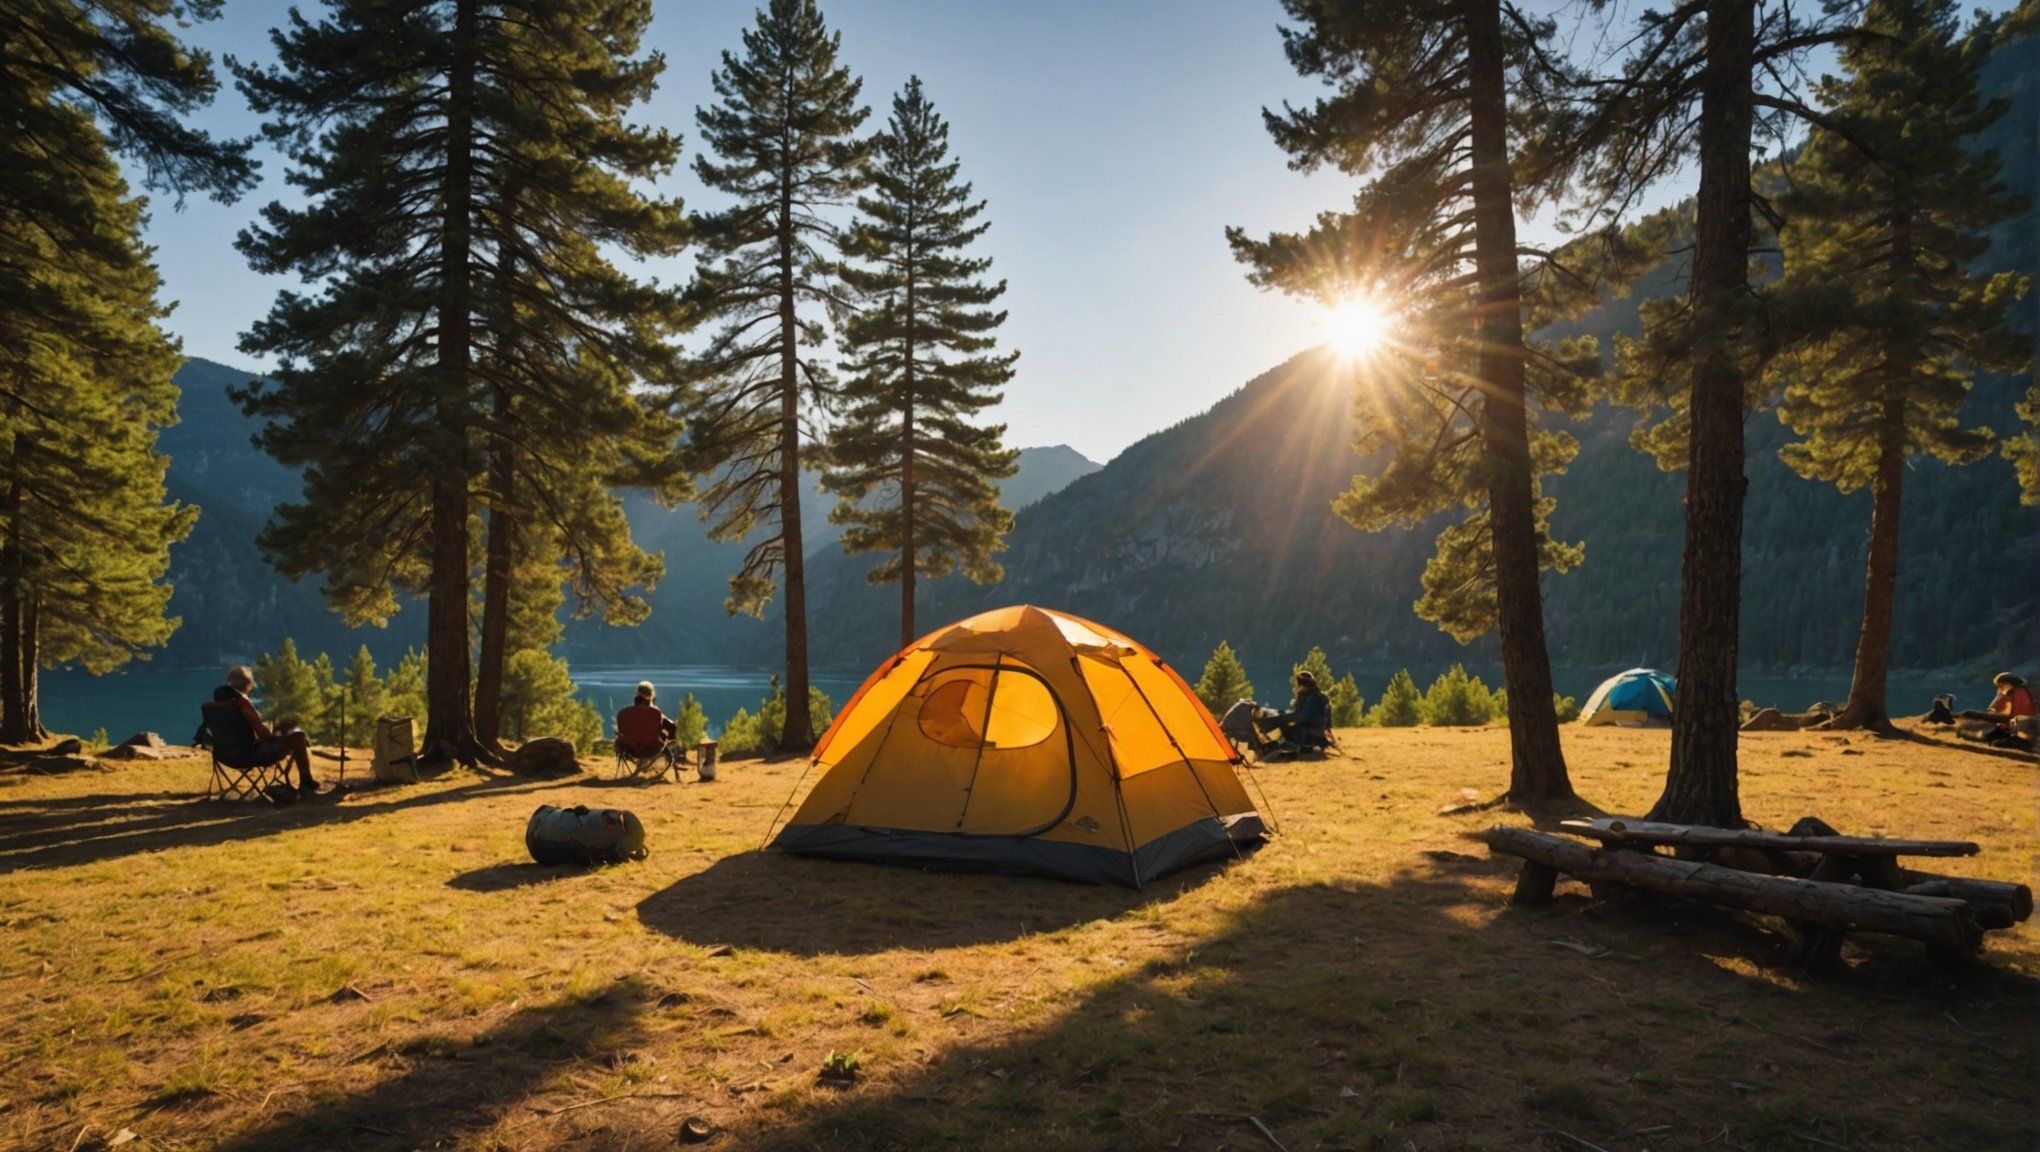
(388, 973)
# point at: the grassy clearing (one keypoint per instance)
(388, 972)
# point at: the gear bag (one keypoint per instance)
(584, 835)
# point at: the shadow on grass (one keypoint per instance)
(516, 874)
(779, 903)
(72, 831)
(1397, 1016)
(449, 1091)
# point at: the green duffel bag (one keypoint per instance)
(584, 835)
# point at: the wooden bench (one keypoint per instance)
(1825, 883)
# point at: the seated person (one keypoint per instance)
(641, 729)
(1308, 722)
(2013, 701)
(269, 747)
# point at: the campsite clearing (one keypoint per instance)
(390, 972)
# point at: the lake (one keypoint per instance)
(165, 700)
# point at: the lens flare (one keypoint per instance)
(1356, 327)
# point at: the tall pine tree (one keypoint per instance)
(783, 135)
(1700, 79)
(85, 378)
(1886, 320)
(465, 164)
(1422, 106)
(916, 467)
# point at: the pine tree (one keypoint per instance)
(466, 165)
(916, 466)
(297, 691)
(1886, 321)
(1693, 91)
(365, 698)
(783, 134)
(1456, 699)
(1224, 682)
(1349, 709)
(1422, 106)
(84, 525)
(1400, 706)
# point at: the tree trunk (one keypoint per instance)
(499, 570)
(1537, 774)
(14, 726)
(1865, 708)
(1701, 786)
(13, 703)
(909, 482)
(31, 663)
(449, 708)
(798, 734)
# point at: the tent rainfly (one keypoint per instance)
(1026, 740)
(1637, 698)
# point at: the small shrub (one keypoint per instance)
(690, 724)
(1456, 699)
(1400, 706)
(1224, 682)
(1348, 709)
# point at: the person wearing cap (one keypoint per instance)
(641, 729)
(1308, 721)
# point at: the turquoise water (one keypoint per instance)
(165, 700)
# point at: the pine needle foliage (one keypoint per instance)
(85, 526)
(1224, 682)
(915, 464)
(1446, 112)
(466, 167)
(1885, 323)
(782, 145)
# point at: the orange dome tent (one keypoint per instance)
(1026, 740)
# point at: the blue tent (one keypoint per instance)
(1634, 698)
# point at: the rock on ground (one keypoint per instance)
(545, 756)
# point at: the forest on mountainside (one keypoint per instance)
(1176, 540)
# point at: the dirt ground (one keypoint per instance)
(389, 971)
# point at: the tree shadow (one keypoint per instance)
(1958, 744)
(1385, 1016)
(447, 1093)
(70, 831)
(780, 903)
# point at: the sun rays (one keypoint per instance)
(1357, 327)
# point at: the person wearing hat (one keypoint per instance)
(2013, 702)
(1308, 722)
(641, 729)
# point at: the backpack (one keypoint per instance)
(396, 753)
(584, 835)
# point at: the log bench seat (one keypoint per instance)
(1824, 883)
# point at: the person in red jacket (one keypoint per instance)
(2013, 702)
(641, 729)
(270, 746)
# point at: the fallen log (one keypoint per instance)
(1615, 830)
(1995, 903)
(1931, 919)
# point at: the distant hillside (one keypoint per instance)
(234, 604)
(1220, 527)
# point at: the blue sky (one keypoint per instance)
(1114, 140)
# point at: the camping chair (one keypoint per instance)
(642, 750)
(653, 765)
(237, 772)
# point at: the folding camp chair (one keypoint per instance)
(236, 772)
(649, 766)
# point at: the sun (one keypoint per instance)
(1356, 326)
